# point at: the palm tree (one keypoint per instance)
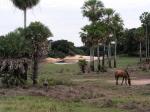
(93, 10)
(24, 5)
(87, 38)
(145, 20)
(38, 35)
(15, 55)
(109, 13)
(117, 27)
(139, 33)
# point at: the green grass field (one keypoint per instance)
(81, 93)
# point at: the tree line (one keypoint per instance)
(106, 30)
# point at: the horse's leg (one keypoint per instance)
(116, 80)
(122, 81)
(126, 81)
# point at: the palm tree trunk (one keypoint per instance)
(140, 54)
(103, 61)
(109, 55)
(35, 68)
(91, 58)
(99, 61)
(146, 43)
(25, 18)
(93, 63)
(115, 54)
(148, 49)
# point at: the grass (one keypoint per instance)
(44, 104)
(127, 61)
(64, 75)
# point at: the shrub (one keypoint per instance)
(82, 65)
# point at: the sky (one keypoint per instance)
(64, 17)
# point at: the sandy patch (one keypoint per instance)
(135, 82)
(68, 59)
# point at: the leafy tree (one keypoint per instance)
(117, 27)
(93, 10)
(24, 5)
(63, 48)
(15, 55)
(37, 34)
(109, 13)
(145, 20)
(139, 33)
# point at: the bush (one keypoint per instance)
(82, 65)
(13, 72)
(9, 80)
(54, 82)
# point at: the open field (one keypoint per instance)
(71, 91)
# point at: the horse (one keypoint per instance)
(125, 76)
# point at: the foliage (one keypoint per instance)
(82, 64)
(15, 55)
(38, 35)
(13, 71)
(128, 43)
(14, 45)
(24, 4)
(93, 9)
(63, 48)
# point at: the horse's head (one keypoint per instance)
(129, 80)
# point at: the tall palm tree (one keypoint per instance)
(145, 20)
(24, 5)
(139, 33)
(93, 10)
(117, 27)
(38, 35)
(88, 38)
(109, 13)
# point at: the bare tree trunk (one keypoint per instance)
(140, 54)
(146, 44)
(103, 61)
(99, 61)
(109, 55)
(93, 63)
(91, 59)
(115, 54)
(148, 54)
(25, 18)
(35, 68)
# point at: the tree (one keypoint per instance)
(24, 5)
(63, 48)
(117, 27)
(37, 34)
(93, 10)
(109, 13)
(139, 33)
(15, 55)
(145, 20)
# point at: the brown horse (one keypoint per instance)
(125, 76)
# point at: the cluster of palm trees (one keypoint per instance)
(105, 26)
(144, 31)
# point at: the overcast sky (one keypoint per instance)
(64, 17)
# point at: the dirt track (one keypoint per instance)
(136, 82)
